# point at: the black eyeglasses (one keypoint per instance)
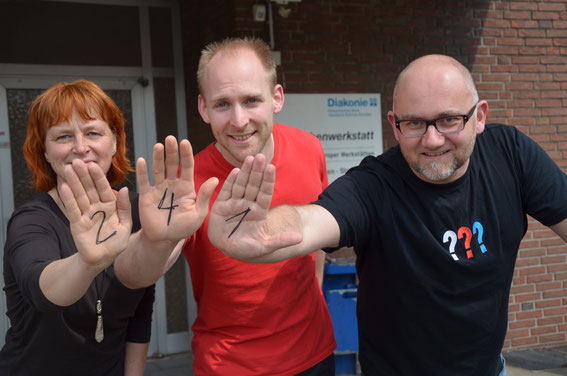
(445, 125)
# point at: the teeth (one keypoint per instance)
(434, 154)
(241, 138)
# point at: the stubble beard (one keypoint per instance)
(439, 171)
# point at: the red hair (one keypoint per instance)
(56, 105)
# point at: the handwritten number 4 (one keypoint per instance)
(243, 213)
(170, 207)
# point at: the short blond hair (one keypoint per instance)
(233, 46)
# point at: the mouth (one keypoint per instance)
(86, 161)
(435, 154)
(243, 137)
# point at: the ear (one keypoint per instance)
(481, 113)
(202, 106)
(113, 144)
(45, 155)
(278, 98)
(392, 121)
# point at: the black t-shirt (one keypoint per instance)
(46, 339)
(435, 261)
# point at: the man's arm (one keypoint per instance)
(243, 227)
(560, 229)
(170, 210)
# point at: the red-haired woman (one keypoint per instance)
(77, 264)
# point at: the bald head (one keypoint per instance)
(433, 75)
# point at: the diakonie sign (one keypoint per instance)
(349, 126)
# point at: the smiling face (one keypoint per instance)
(239, 104)
(92, 141)
(431, 88)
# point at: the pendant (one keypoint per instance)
(99, 332)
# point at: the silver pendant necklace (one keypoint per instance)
(99, 331)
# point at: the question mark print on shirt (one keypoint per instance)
(450, 235)
(467, 234)
(477, 228)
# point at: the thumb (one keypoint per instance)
(123, 208)
(283, 240)
(205, 194)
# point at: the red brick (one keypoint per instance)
(518, 15)
(531, 33)
(552, 338)
(540, 278)
(521, 24)
(544, 16)
(550, 7)
(531, 51)
(556, 268)
(543, 330)
(539, 42)
(545, 286)
(522, 342)
(529, 315)
(516, 290)
(551, 307)
(523, 6)
(555, 294)
(519, 298)
(560, 24)
(517, 333)
(522, 324)
(550, 320)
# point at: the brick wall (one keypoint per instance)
(517, 51)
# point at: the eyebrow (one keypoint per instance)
(245, 96)
(438, 116)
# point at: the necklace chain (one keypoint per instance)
(60, 199)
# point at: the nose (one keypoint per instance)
(239, 117)
(81, 145)
(432, 138)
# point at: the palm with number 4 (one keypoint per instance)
(170, 209)
(100, 219)
(238, 223)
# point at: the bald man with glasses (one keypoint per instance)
(436, 223)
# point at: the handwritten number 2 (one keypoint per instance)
(170, 207)
(243, 213)
(98, 241)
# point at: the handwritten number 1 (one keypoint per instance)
(243, 213)
(98, 241)
(170, 207)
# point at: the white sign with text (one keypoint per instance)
(349, 126)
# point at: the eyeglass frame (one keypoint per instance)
(433, 122)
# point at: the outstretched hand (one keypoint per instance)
(100, 220)
(238, 223)
(170, 209)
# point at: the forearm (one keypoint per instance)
(135, 358)
(65, 281)
(317, 227)
(143, 262)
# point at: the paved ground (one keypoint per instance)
(541, 362)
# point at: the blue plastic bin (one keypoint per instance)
(339, 290)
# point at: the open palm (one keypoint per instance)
(100, 220)
(170, 209)
(238, 223)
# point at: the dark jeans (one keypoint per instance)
(326, 367)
